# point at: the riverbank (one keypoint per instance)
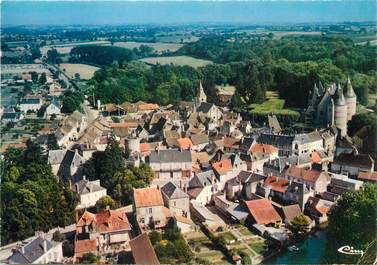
(310, 251)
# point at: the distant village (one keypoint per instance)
(212, 170)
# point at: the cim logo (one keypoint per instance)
(350, 251)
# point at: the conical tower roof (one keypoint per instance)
(339, 99)
(349, 92)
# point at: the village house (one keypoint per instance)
(52, 109)
(102, 230)
(149, 208)
(318, 209)
(199, 141)
(65, 163)
(31, 104)
(89, 192)
(313, 179)
(170, 165)
(202, 186)
(352, 164)
(176, 200)
(70, 128)
(201, 214)
(262, 213)
(290, 212)
(243, 185)
(307, 143)
(37, 250)
(341, 183)
(12, 117)
(210, 111)
(283, 142)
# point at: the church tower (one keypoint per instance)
(350, 99)
(340, 112)
(202, 97)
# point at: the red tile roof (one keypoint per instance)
(105, 221)
(145, 148)
(147, 197)
(184, 143)
(263, 148)
(263, 212)
(369, 176)
(277, 184)
(142, 250)
(85, 246)
(310, 175)
(315, 158)
(223, 166)
(148, 106)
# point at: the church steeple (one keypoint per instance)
(202, 97)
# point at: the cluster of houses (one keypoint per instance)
(210, 168)
(45, 99)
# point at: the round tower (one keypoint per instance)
(340, 112)
(350, 99)
(133, 144)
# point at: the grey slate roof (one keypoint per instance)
(202, 179)
(204, 107)
(170, 156)
(85, 186)
(31, 101)
(173, 192)
(31, 251)
(11, 115)
(275, 139)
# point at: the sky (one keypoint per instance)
(184, 12)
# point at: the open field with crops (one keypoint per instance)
(158, 47)
(85, 71)
(67, 47)
(176, 60)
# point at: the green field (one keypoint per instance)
(273, 105)
(177, 60)
(159, 47)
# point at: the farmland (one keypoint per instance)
(158, 47)
(177, 60)
(85, 71)
(67, 47)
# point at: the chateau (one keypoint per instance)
(331, 106)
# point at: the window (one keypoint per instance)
(150, 210)
(175, 203)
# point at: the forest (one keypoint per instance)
(32, 199)
(290, 66)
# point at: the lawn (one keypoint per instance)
(159, 47)
(177, 60)
(258, 246)
(86, 71)
(227, 236)
(273, 105)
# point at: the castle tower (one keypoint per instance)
(340, 112)
(202, 97)
(350, 99)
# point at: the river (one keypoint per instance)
(310, 251)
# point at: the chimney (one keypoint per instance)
(44, 246)
(84, 177)
(23, 250)
(107, 207)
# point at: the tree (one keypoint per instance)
(351, 222)
(57, 236)
(89, 258)
(42, 78)
(105, 202)
(299, 224)
(53, 56)
(249, 86)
